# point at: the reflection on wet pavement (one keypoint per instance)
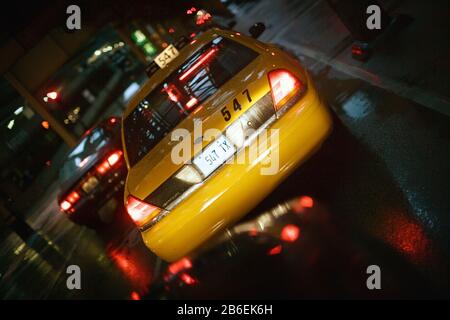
(293, 251)
(114, 262)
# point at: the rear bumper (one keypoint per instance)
(88, 207)
(236, 188)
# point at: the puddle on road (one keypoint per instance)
(358, 105)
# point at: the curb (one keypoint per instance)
(420, 96)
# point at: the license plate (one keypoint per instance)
(90, 184)
(214, 155)
(166, 56)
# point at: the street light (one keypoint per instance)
(18, 110)
(45, 124)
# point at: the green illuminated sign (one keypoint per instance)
(141, 40)
(138, 37)
(149, 49)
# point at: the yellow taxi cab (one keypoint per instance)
(212, 132)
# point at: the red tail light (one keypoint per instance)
(140, 211)
(114, 158)
(112, 120)
(284, 85)
(110, 161)
(357, 51)
(67, 203)
(103, 167)
(192, 102)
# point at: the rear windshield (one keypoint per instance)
(81, 154)
(181, 92)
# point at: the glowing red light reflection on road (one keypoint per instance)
(182, 264)
(135, 296)
(134, 267)
(307, 202)
(302, 203)
(275, 250)
(188, 279)
(407, 235)
(290, 233)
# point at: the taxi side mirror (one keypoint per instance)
(257, 29)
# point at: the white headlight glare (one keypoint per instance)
(189, 175)
(235, 133)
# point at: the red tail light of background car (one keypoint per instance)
(69, 201)
(109, 162)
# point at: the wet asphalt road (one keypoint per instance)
(383, 175)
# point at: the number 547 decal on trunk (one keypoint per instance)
(236, 105)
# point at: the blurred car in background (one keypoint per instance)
(92, 175)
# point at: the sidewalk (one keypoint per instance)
(412, 63)
(44, 183)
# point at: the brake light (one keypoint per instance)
(357, 51)
(73, 197)
(112, 120)
(140, 211)
(114, 158)
(284, 85)
(203, 58)
(103, 167)
(65, 205)
(192, 102)
(110, 161)
(69, 201)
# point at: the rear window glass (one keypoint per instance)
(181, 92)
(81, 154)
